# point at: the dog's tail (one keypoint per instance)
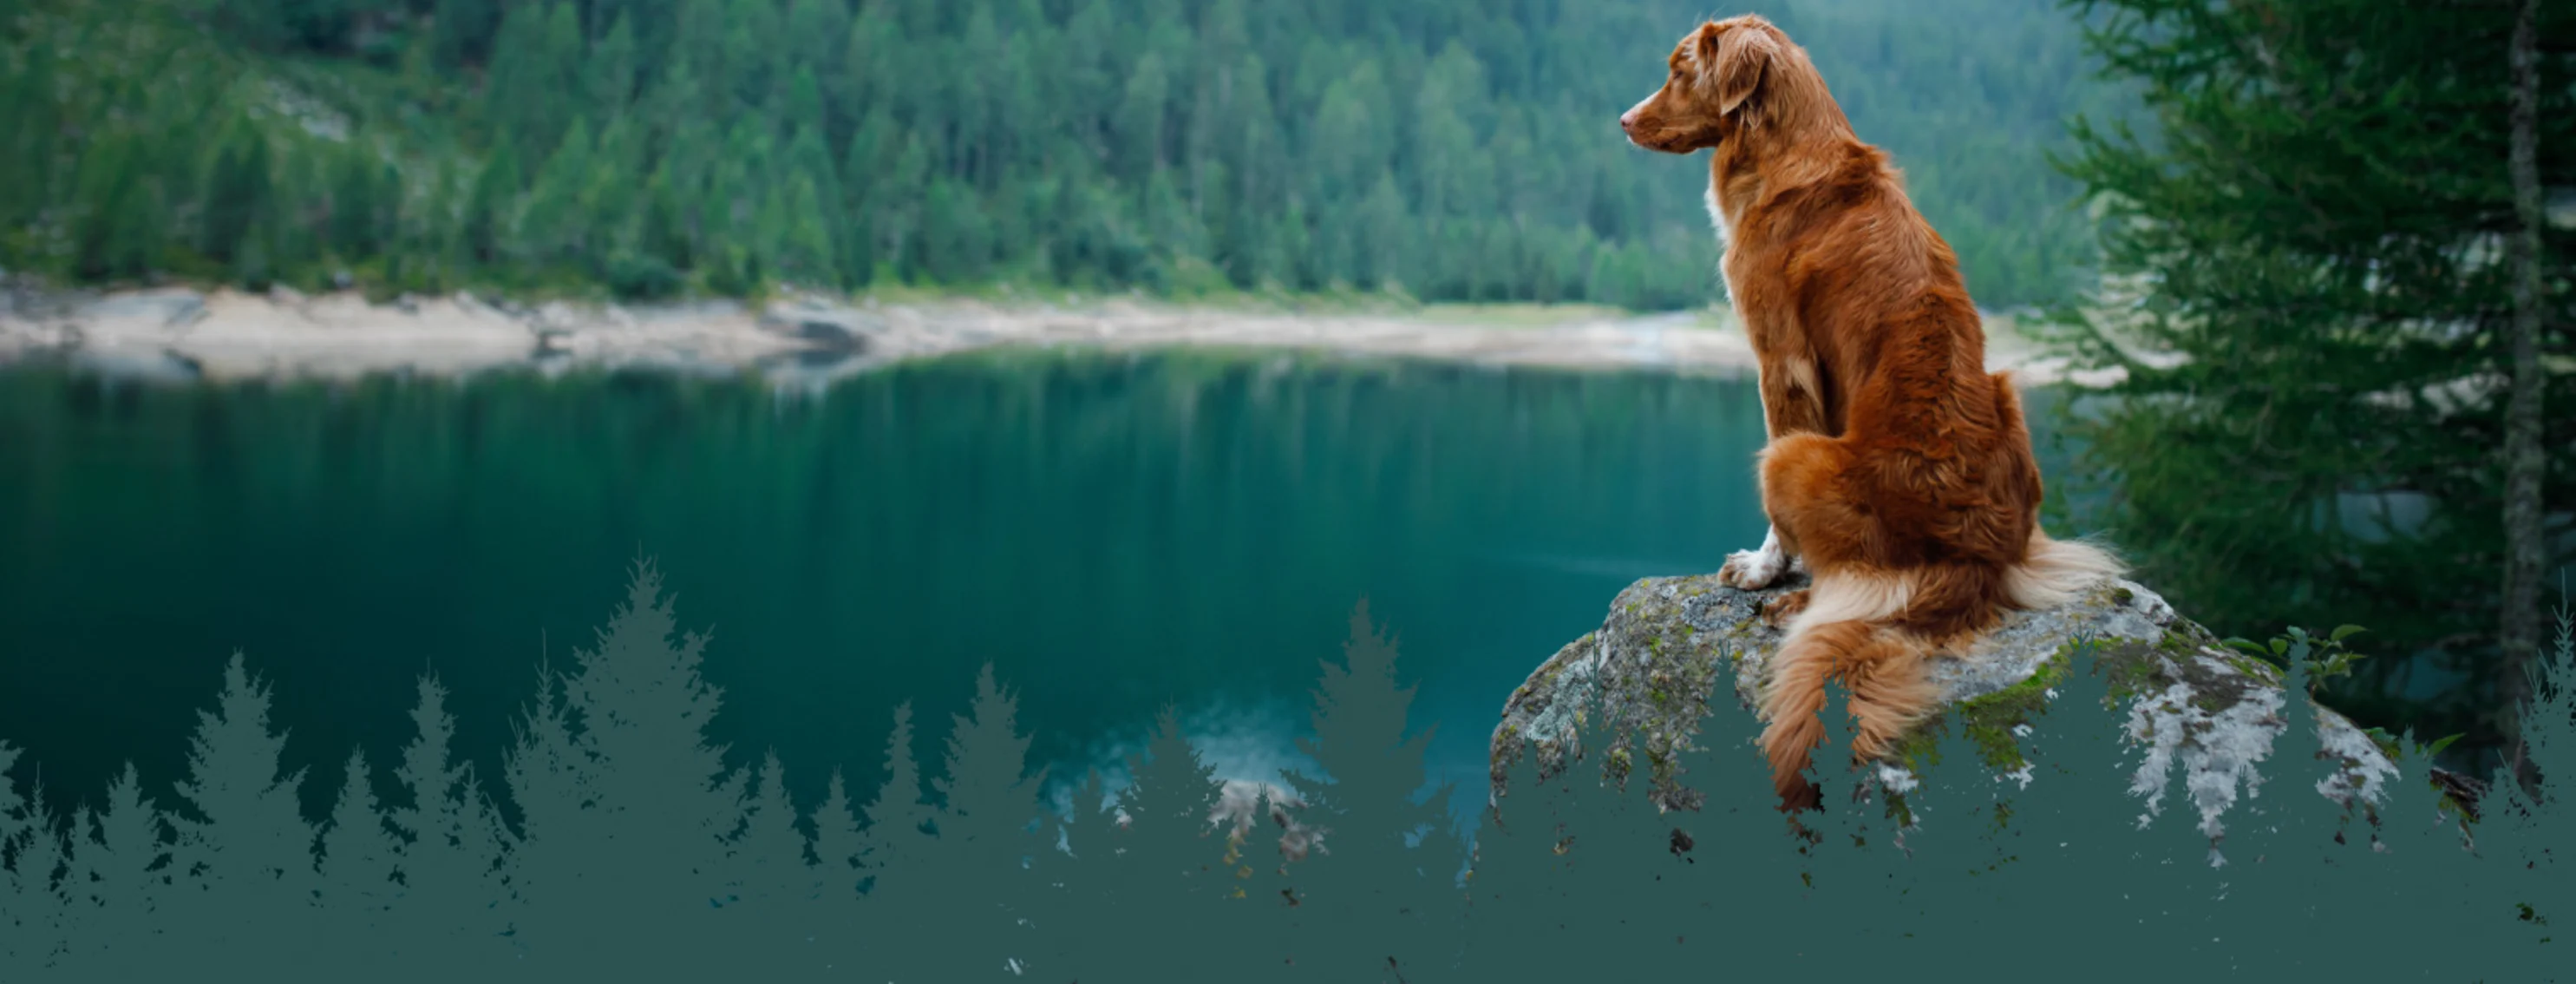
(1848, 632)
(2051, 572)
(2054, 572)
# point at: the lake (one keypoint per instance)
(1110, 530)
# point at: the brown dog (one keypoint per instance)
(1898, 471)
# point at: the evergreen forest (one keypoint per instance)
(1436, 150)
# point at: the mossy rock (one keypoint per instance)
(1668, 641)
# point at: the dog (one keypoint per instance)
(1899, 472)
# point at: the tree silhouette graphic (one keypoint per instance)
(1369, 895)
(640, 855)
(626, 809)
(1954, 883)
(2521, 836)
(357, 869)
(450, 845)
(1135, 890)
(773, 886)
(247, 852)
(987, 833)
(33, 910)
(2306, 881)
(1082, 923)
(895, 852)
(119, 886)
(1557, 844)
(832, 918)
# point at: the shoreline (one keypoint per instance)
(179, 334)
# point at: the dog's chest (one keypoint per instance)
(1716, 212)
(1717, 221)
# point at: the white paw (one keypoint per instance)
(1753, 570)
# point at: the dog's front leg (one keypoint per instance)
(1791, 404)
(1753, 570)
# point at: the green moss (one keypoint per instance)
(1990, 719)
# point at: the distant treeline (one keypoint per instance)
(1452, 150)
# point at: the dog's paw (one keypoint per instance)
(1779, 610)
(1753, 570)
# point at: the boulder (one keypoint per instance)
(1668, 642)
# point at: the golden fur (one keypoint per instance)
(1899, 471)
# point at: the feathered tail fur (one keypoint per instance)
(1853, 629)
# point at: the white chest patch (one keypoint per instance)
(1717, 220)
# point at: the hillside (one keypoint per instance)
(1451, 150)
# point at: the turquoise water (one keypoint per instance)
(1111, 531)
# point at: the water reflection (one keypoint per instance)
(1112, 531)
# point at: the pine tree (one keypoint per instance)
(33, 906)
(235, 196)
(774, 885)
(492, 213)
(988, 828)
(837, 845)
(1373, 887)
(247, 854)
(118, 231)
(626, 807)
(1169, 865)
(898, 864)
(357, 221)
(610, 82)
(463, 31)
(556, 228)
(357, 888)
(451, 845)
(2314, 245)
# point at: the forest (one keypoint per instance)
(1437, 150)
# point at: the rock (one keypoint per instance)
(1668, 640)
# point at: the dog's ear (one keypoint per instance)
(1736, 60)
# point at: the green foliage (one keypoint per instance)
(1434, 148)
(2304, 293)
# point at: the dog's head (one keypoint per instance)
(1724, 78)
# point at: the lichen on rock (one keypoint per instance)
(1650, 668)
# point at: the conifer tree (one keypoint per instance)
(1372, 887)
(610, 70)
(774, 886)
(118, 232)
(1085, 927)
(988, 828)
(357, 214)
(463, 31)
(626, 807)
(357, 890)
(897, 862)
(236, 194)
(2307, 260)
(838, 842)
(248, 852)
(1169, 868)
(451, 846)
(34, 909)
(492, 212)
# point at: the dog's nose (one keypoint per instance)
(1628, 120)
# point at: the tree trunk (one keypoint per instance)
(2519, 634)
